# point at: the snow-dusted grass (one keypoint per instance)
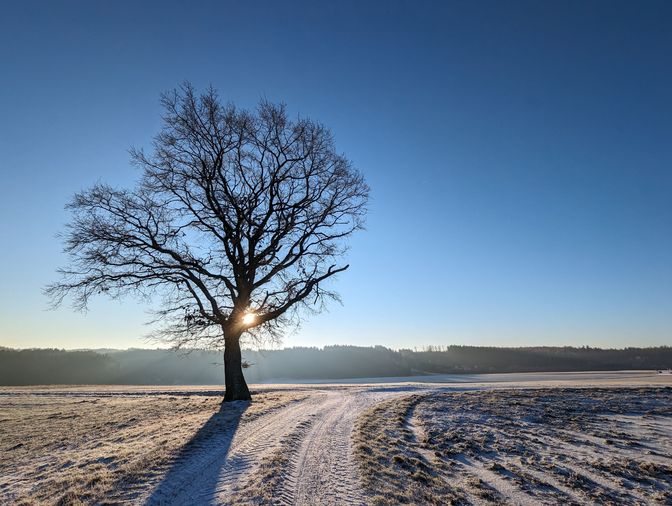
(531, 446)
(82, 447)
(295, 444)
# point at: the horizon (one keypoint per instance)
(518, 156)
(415, 349)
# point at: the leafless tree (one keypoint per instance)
(236, 223)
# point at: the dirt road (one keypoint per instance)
(311, 435)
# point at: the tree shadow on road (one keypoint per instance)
(195, 471)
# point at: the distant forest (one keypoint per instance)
(198, 367)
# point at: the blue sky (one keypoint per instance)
(519, 154)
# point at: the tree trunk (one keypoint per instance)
(236, 387)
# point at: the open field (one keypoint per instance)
(560, 438)
(520, 446)
(72, 449)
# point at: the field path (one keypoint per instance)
(207, 472)
(315, 435)
(323, 471)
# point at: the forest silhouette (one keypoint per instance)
(201, 367)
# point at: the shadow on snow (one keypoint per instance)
(201, 459)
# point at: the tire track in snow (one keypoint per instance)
(207, 472)
(323, 470)
(315, 431)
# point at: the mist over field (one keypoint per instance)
(201, 367)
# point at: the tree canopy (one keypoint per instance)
(238, 219)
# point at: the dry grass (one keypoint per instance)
(81, 449)
(393, 469)
(536, 446)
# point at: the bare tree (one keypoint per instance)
(236, 223)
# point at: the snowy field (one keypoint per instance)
(575, 438)
(520, 446)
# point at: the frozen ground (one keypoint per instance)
(520, 446)
(491, 439)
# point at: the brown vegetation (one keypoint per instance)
(536, 446)
(83, 448)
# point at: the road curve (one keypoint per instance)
(315, 435)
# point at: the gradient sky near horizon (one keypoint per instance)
(519, 154)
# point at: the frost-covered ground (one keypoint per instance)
(520, 446)
(494, 439)
(67, 448)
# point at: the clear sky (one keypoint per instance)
(519, 154)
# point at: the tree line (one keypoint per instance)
(165, 367)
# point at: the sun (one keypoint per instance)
(249, 318)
